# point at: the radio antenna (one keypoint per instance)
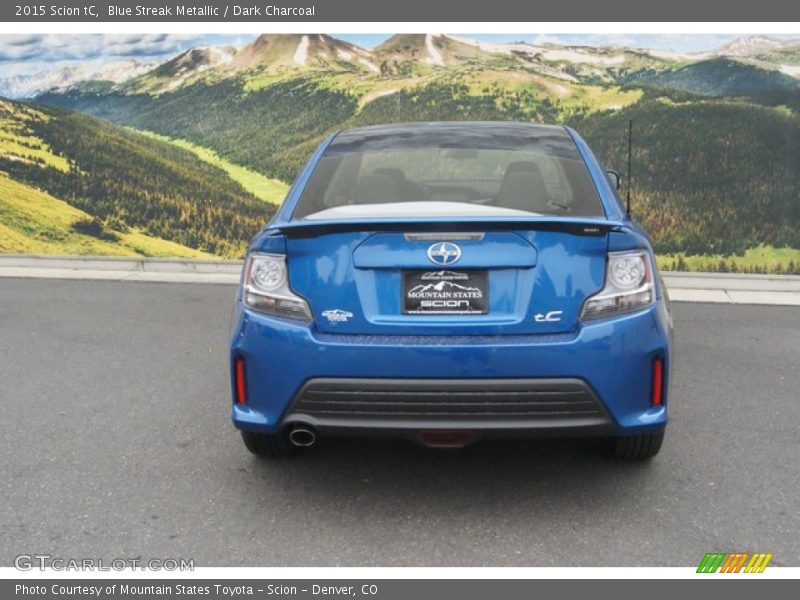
(630, 178)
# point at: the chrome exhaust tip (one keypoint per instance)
(302, 437)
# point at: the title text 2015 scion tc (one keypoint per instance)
(448, 282)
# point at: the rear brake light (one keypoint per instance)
(445, 438)
(658, 382)
(241, 388)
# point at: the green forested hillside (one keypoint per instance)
(273, 129)
(715, 166)
(127, 180)
(267, 130)
(268, 190)
(34, 222)
(716, 77)
(710, 177)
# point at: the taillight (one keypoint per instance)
(658, 382)
(266, 288)
(628, 286)
(241, 387)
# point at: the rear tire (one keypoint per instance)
(266, 445)
(638, 447)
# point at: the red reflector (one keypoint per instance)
(658, 382)
(241, 394)
(445, 438)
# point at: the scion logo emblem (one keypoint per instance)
(444, 253)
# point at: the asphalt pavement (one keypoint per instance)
(116, 443)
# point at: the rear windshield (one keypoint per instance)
(433, 170)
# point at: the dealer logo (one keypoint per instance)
(337, 315)
(444, 276)
(444, 290)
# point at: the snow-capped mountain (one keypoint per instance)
(186, 66)
(197, 60)
(605, 56)
(406, 55)
(750, 46)
(298, 51)
(28, 86)
(430, 49)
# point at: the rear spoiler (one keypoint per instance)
(573, 226)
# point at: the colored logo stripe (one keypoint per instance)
(758, 563)
(711, 562)
(734, 562)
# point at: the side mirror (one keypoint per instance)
(614, 178)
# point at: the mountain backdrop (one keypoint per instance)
(197, 151)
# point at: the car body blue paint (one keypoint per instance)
(613, 355)
(532, 269)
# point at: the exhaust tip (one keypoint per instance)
(302, 437)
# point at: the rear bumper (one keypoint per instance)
(477, 404)
(600, 374)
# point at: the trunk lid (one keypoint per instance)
(489, 278)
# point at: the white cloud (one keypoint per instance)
(28, 54)
(21, 54)
(681, 43)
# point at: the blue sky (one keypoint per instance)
(26, 54)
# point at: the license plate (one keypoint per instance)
(445, 293)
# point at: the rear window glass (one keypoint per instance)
(436, 170)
